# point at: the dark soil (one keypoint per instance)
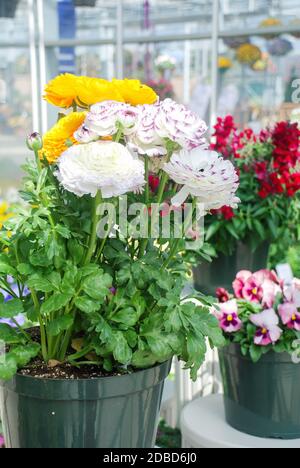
(41, 370)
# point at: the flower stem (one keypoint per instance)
(38, 161)
(93, 236)
(147, 189)
(42, 327)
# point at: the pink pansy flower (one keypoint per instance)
(289, 315)
(268, 331)
(228, 316)
(253, 291)
(239, 283)
(292, 295)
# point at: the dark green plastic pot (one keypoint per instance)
(109, 412)
(222, 271)
(261, 399)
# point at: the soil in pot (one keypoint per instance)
(67, 407)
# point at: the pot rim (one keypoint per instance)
(106, 378)
(87, 389)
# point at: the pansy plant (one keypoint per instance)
(262, 315)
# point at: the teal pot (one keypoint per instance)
(261, 399)
(222, 271)
(109, 412)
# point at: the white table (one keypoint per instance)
(203, 425)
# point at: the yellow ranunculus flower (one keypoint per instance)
(134, 92)
(92, 90)
(67, 89)
(4, 215)
(62, 90)
(55, 140)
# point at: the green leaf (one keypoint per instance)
(97, 285)
(128, 316)
(256, 353)
(76, 251)
(158, 343)
(24, 354)
(259, 227)
(11, 308)
(212, 230)
(63, 231)
(40, 284)
(143, 359)
(121, 351)
(56, 302)
(9, 335)
(25, 269)
(87, 305)
(8, 367)
(55, 279)
(60, 324)
(6, 269)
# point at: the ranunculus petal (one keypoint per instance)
(206, 176)
(105, 166)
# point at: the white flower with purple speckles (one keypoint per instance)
(105, 119)
(205, 175)
(85, 135)
(145, 140)
(180, 125)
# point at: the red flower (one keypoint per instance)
(226, 211)
(222, 295)
(154, 182)
(260, 169)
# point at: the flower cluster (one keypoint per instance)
(263, 313)
(98, 275)
(68, 90)
(272, 157)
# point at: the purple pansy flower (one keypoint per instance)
(268, 331)
(228, 316)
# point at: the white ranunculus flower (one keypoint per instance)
(179, 124)
(205, 175)
(145, 140)
(104, 120)
(102, 165)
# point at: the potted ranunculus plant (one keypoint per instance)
(260, 364)
(268, 166)
(104, 266)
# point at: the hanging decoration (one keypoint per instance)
(270, 23)
(236, 42)
(279, 47)
(248, 54)
(224, 63)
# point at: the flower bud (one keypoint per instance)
(34, 142)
